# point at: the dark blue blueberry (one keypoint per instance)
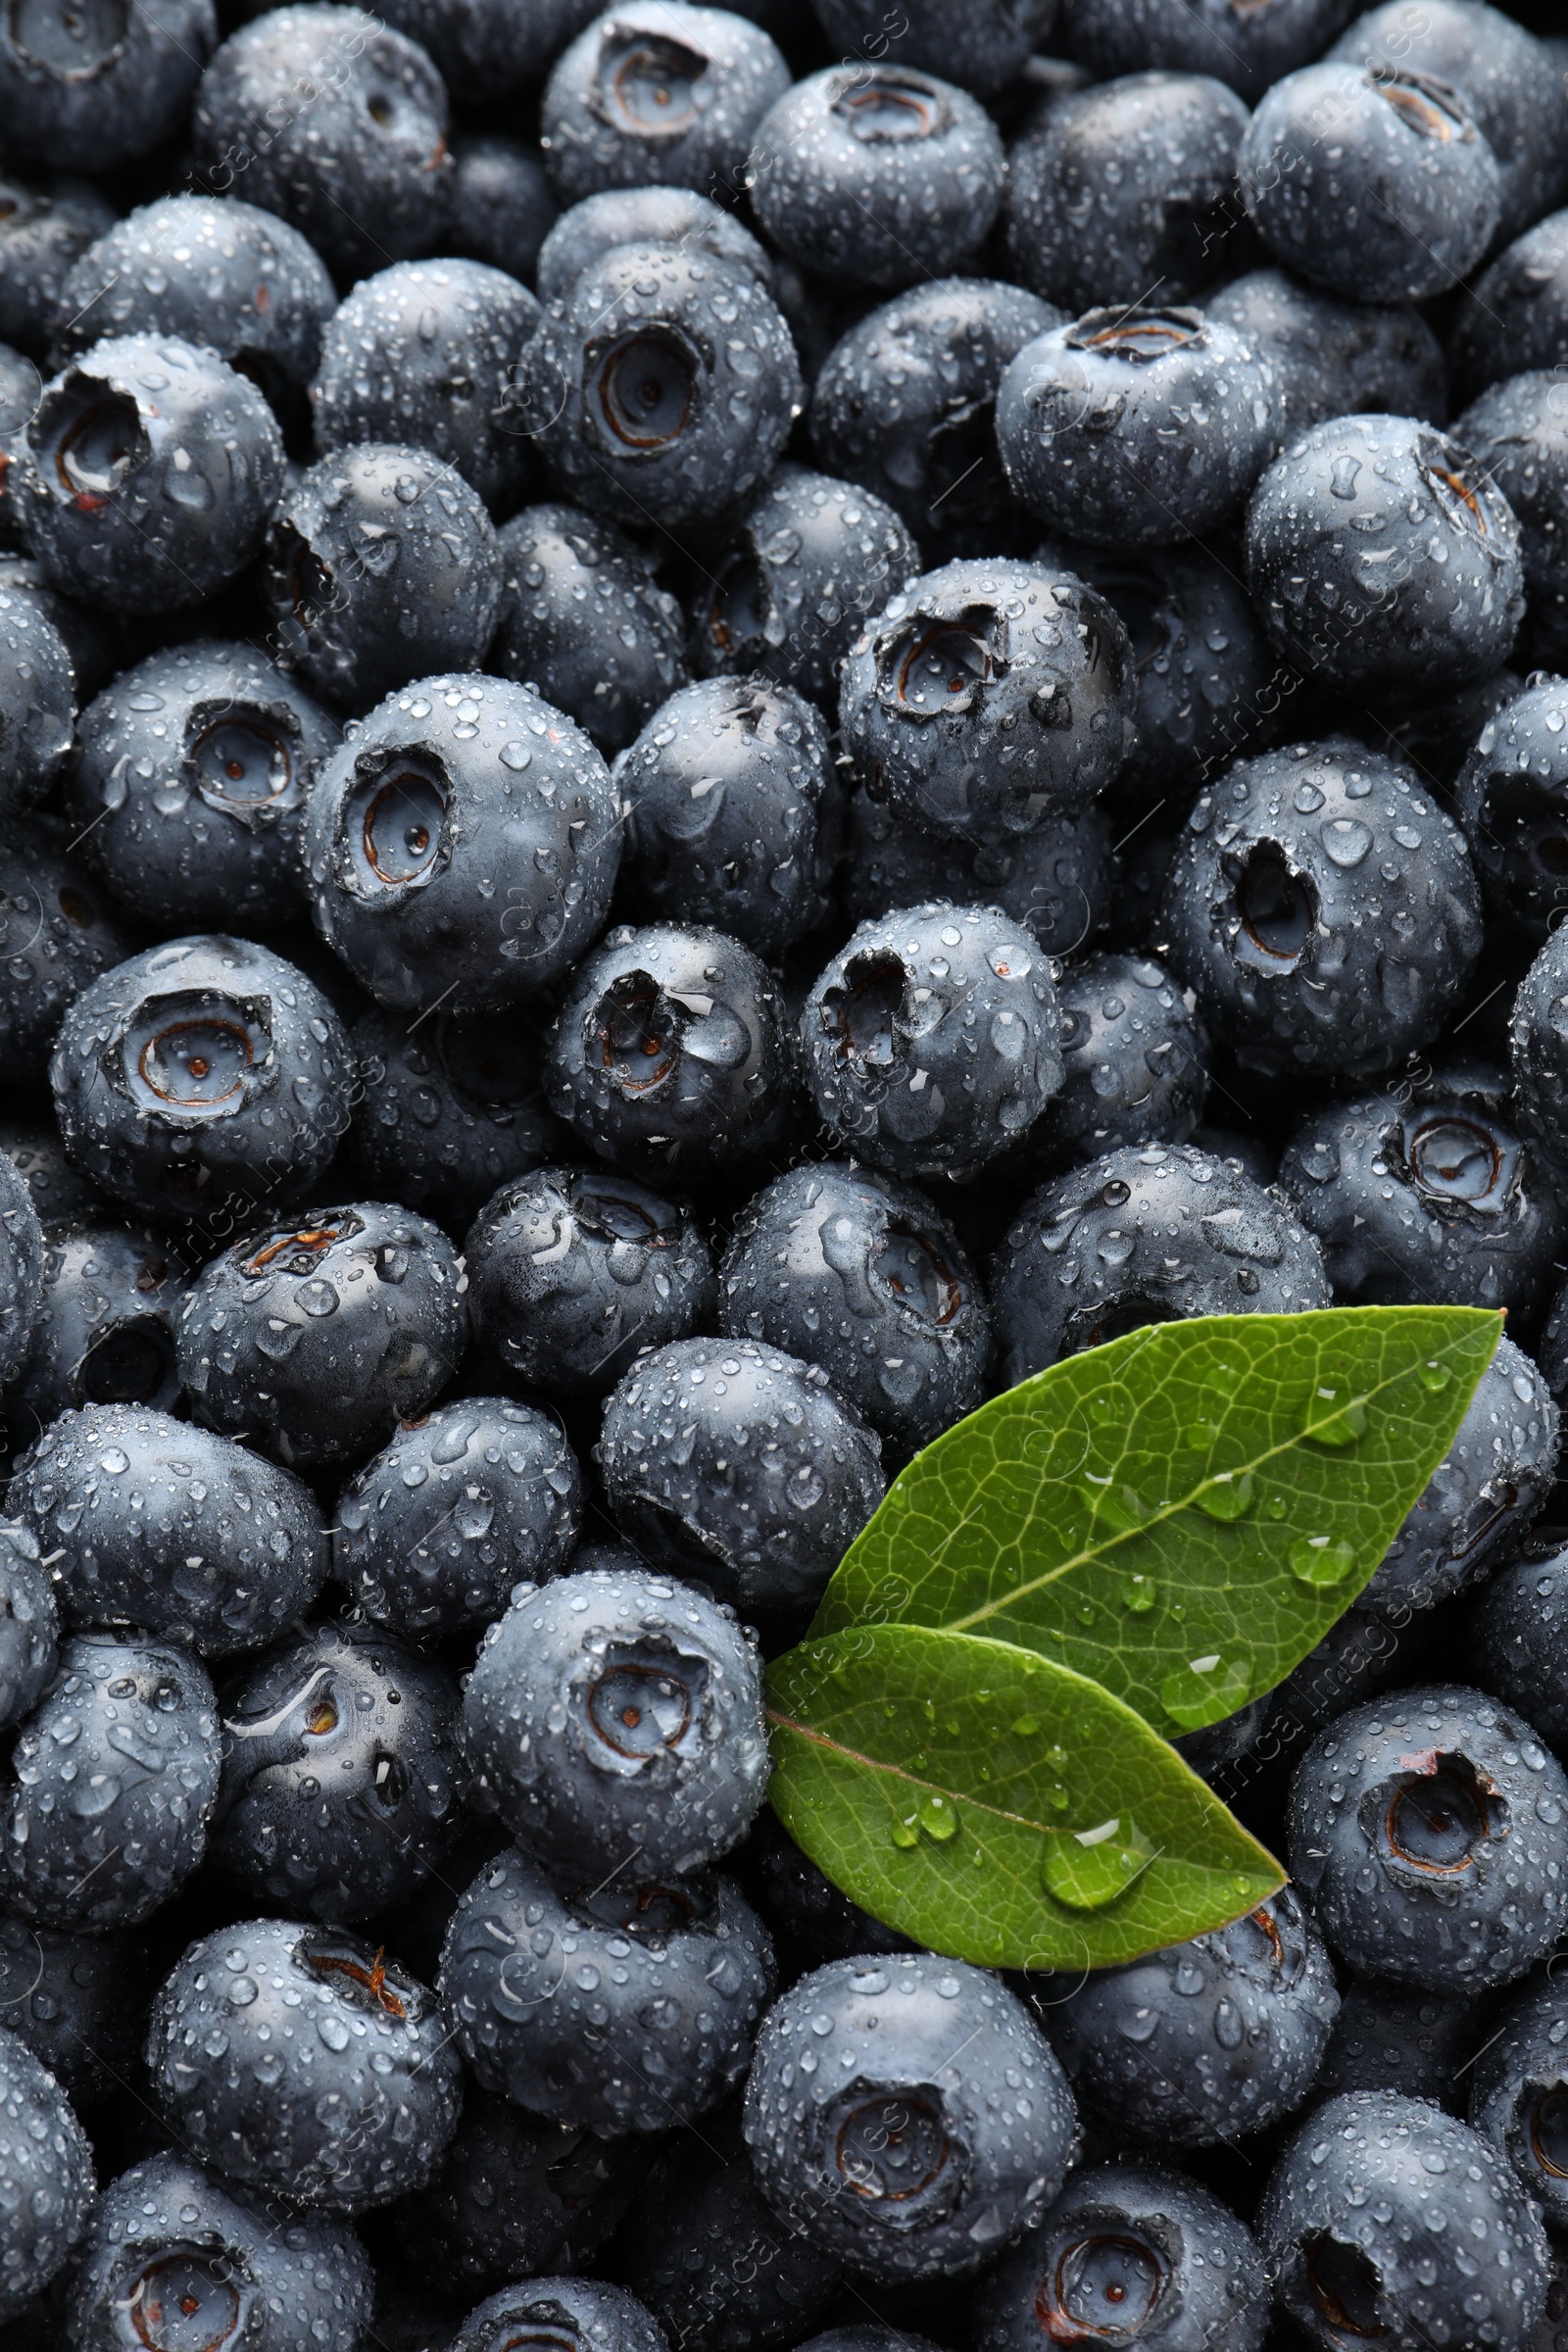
(93, 640)
(1377, 185)
(860, 1275)
(732, 812)
(313, 1337)
(1204, 2040)
(931, 1039)
(360, 165)
(1515, 319)
(645, 216)
(771, 1480)
(1249, 47)
(1397, 2038)
(454, 1106)
(46, 223)
(488, 51)
(1538, 1040)
(571, 2315)
(1519, 2093)
(1090, 1256)
(201, 1074)
(623, 2007)
(29, 1646)
(935, 2127)
(572, 1271)
(76, 2002)
(83, 93)
(672, 1051)
(1518, 431)
(655, 92)
(46, 2178)
(985, 49)
(21, 1270)
(463, 844)
(31, 1141)
(1056, 881)
(501, 207)
(583, 619)
(1136, 1058)
(1518, 1635)
(111, 1785)
(1430, 1830)
(37, 701)
(433, 1532)
(804, 1907)
(1350, 2228)
(1324, 911)
(295, 2059)
(1333, 357)
(20, 390)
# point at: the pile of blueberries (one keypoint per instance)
(716, 729)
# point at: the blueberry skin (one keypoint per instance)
(37, 702)
(1515, 319)
(1332, 358)
(427, 353)
(931, 1039)
(1518, 431)
(263, 2046)
(93, 640)
(1204, 2040)
(46, 2176)
(1056, 1289)
(905, 402)
(1324, 911)
(672, 1051)
(53, 218)
(927, 2064)
(987, 696)
(374, 133)
(86, 98)
(775, 1475)
(732, 812)
(168, 2237)
(463, 844)
(583, 619)
(579, 2315)
(29, 1621)
(173, 1528)
(436, 1529)
(1396, 2037)
(613, 1712)
(644, 216)
(153, 469)
(622, 2009)
(57, 935)
(860, 1275)
(1087, 425)
(381, 565)
(875, 175)
(21, 1271)
(75, 2002)
(501, 207)
(189, 786)
(574, 1271)
(31, 1142)
(1430, 1830)
(984, 50)
(657, 93)
(1159, 2257)
(136, 1721)
(452, 1109)
(1250, 51)
(1056, 881)
(314, 1337)
(489, 52)
(1136, 1058)
(263, 1112)
(1539, 1049)
(1516, 1633)
(660, 387)
(1516, 2094)
(1409, 202)
(1125, 184)
(1386, 2215)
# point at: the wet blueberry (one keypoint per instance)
(454, 1107)
(1056, 880)
(83, 90)
(583, 619)
(1135, 1057)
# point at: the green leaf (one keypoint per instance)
(996, 1806)
(1180, 1515)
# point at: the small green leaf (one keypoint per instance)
(1180, 1515)
(1039, 1823)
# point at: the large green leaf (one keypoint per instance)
(1180, 1515)
(996, 1806)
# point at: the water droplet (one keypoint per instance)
(1327, 1427)
(1026, 1727)
(1228, 1495)
(1202, 1692)
(1345, 840)
(1086, 1869)
(1116, 1506)
(939, 1818)
(904, 1834)
(1140, 1594)
(1433, 1376)
(1317, 1560)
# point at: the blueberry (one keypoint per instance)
(1089, 424)
(76, 2002)
(1134, 2254)
(37, 701)
(1540, 1050)
(198, 2260)
(988, 696)
(764, 1519)
(1333, 357)
(657, 92)
(201, 1069)
(361, 167)
(876, 175)
(1204, 2040)
(57, 935)
(20, 390)
(31, 1142)
(1397, 2038)
(985, 49)
(1518, 431)
(490, 52)
(662, 384)
(905, 405)
(732, 812)
(93, 640)
(1430, 1828)
(1517, 1649)
(46, 2178)
(670, 1052)
(83, 93)
(650, 216)
(1248, 49)
(21, 1270)
(1349, 2227)
(936, 2127)
(189, 784)
(462, 847)
(1090, 1256)
(454, 1107)
(804, 1906)
(131, 1724)
(1375, 184)
(623, 2007)
(1324, 911)
(29, 1646)
(314, 1337)
(574, 2315)
(860, 1275)
(931, 1039)
(295, 2059)
(1056, 881)
(583, 619)
(501, 207)
(1136, 1060)
(153, 469)
(49, 221)
(1515, 319)
(1519, 2093)
(574, 1271)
